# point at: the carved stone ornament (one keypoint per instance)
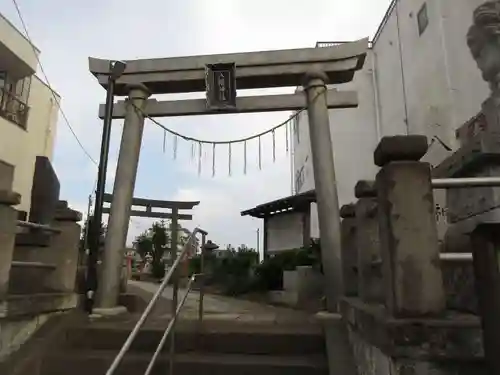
(483, 40)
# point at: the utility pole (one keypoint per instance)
(87, 224)
(116, 69)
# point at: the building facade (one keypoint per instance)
(28, 110)
(418, 78)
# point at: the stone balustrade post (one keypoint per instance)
(408, 231)
(485, 243)
(64, 248)
(8, 225)
(370, 283)
(349, 250)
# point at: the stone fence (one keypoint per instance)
(414, 305)
(38, 265)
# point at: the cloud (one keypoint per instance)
(121, 29)
(222, 200)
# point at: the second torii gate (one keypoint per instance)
(110, 276)
(219, 76)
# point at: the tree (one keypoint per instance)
(159, 238)
(143, 244)
(154, 241)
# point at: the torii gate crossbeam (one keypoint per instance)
(248, 104)
(312, 68)
(150, 204)
(256, 70)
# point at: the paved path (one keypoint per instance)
(221, 307)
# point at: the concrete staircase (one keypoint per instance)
(227, 347)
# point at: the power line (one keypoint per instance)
(66, 120)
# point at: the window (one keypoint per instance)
(21, 89)
(13, 97)
(422, 19)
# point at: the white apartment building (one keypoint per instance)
(28, 110)
(418, 78)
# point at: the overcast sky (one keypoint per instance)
(68, 32)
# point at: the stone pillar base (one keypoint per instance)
(111, 311)
(382, 345)
(340, 355)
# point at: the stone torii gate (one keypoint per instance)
(111, 276)
(220, 76)
(150, 204)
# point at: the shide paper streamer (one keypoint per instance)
(286, 126)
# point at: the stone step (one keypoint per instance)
(29, 277)
(276, 342)
(97, 362)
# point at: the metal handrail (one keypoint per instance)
(170, 326)
(443, 257)
(465, 182)
(456, 257)
(150, 306)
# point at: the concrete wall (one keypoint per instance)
(370, 360)
(284, 232)
(15, 333)
(302, 288)
(20, 147)
(16, 49)
(411, 83)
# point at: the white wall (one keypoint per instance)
(284, 232)
(351, 130)
(425, 84)
(354, 136)
(469, 89)
(20, 147)
(443, 85)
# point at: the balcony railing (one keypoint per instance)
(333, 44)
(13, 109)
(328, 44)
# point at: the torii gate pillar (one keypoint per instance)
(325, 185)
(123, 191)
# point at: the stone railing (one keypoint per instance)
(410, 302)
(38, 265)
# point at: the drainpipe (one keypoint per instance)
(444, 49)
(376, 96)
(48, 129)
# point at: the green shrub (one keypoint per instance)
(194, 265)
(158, 270)
(231, 272)
(269, 274)
(236, 285)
